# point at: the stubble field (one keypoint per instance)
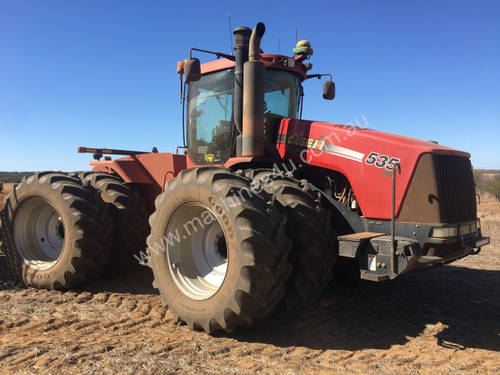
(446, 320)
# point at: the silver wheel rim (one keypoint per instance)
(39, 233)
(196, 251)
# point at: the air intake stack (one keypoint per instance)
(242, 38)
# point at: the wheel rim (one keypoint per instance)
(196, 251)
(39, 233)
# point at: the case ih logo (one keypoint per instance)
(311, 143)
(319, 144)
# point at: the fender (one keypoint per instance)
(149, 171)
(346, 220)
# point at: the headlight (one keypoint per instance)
(444, 232)
(468, 228)
(454, 231)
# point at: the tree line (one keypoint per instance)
(487, 184)
(13, 176)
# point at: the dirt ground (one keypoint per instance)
(446, 320)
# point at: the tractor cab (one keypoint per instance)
(236, 103)
(211, 134)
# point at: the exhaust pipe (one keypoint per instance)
(253, 97)
(255, 38)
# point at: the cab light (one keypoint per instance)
(180, 67)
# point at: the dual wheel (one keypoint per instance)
(60, 231)
(228, 248)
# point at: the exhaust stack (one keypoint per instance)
(253, 97)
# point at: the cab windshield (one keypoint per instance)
(211, 133)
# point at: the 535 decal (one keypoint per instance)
(381, 161)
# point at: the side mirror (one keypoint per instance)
(328, 90)
(192, 70)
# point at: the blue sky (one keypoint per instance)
(102, 73)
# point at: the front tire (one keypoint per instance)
(52, 230)
(309, 226)
(219, 252)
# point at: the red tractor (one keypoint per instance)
(259, 207)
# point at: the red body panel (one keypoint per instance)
(346, 149)
(151, 171)
(331, 146)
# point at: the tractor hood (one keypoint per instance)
(365, 156)
(398, 141)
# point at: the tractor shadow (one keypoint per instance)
(136, 280)
(7, 280)
(458, 305)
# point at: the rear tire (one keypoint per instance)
(232, 272)
(53, 232)
(310, 228)
(129, 217)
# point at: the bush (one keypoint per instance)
(493, 187)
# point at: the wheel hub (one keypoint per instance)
(198, 260)
(39, 233)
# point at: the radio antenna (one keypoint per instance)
(230, 35)
(296, 35)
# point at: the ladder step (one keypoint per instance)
(349, 244)
(360, 236)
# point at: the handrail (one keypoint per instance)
(396, 168)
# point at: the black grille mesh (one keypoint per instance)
(456, 188)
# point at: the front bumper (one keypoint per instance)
(414, 248)
(461, 249)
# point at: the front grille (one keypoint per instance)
(456, 189)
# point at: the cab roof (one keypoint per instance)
(271, 61)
